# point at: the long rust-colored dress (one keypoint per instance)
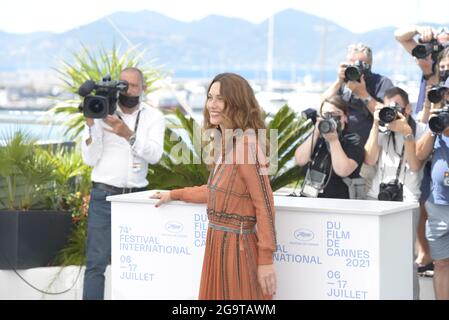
(238, 197)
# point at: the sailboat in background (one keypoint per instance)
(274, 94)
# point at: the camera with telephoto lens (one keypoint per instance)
(436, 93)
(310, 114)
(422, 50)
(354, 72)
(440, 122)
(330, 124)
(391, 191)
(389, 113)
(104, 101)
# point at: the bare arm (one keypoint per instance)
(424, 146)
(410, 156)
(401, 126)
(303, 153)
(405, 36)
(425, 114)
(372, 148)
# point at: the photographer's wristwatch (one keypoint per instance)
(132, 139)
(409, 137)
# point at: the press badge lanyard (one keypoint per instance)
(136, 165)
(398, 171)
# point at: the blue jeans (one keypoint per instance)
(98, 244)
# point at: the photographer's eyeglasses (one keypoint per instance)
(331, 114)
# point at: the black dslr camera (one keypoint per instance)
(389, 113)
(441, 122)
(391, 191)
(436, 93)
(354, 72)
(422, 50)
(104, 101)
(330, 124)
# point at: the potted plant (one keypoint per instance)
(34, 223)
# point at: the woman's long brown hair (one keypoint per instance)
(241, 111)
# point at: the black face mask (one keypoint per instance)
(444, 75)
(127, 101)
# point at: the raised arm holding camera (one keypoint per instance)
(122, 136)
(426, 44)
(361, 88)
(331, 153)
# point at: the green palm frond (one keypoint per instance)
(290, 133)
(183, 168)
(90, 65)
(25, 170)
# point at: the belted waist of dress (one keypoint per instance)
(227, 215)
(240, 230)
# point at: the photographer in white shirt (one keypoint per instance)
(399, 171)
(119, 147)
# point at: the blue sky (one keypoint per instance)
(21, 16)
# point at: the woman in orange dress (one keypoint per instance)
(241, 238)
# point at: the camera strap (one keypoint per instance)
(401, 156)
(398, 171)
(137, 120)
(319, 165)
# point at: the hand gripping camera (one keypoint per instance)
(104, 101)
(422, 50)
(354, 72)
(441, 122)
(389, 113)
(330, 124)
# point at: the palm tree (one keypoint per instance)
(26, 171)
(89, 65)
(291, 132)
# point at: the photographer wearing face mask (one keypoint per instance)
(361, 89)
(331, 153)
(119, 147)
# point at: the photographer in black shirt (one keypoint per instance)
(331, 153)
